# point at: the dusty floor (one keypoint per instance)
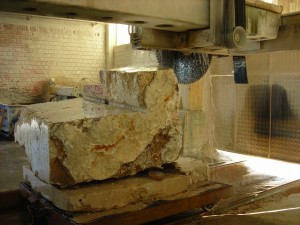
(251, 203)
(284, 210)
(265, 193)
(12, 158)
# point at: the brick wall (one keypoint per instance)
(34, 49)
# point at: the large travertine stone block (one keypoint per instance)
(76, 141)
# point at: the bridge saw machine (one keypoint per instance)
(209, 27)
(190, 31)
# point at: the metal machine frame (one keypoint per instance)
(226, 27)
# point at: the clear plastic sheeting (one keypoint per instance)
(265, 191)
(260, 118)
(252, 124)
(285, 120)
(223, 98)
(263, 212)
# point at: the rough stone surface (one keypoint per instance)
(76, 141)
(138, 89)
(194, 168)
(111, 194)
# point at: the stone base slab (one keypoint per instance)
(110, 194)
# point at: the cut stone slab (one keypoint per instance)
(75, 141)
(195, 137)
(139, 89)
(110, 194)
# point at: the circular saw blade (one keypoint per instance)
(188, 68)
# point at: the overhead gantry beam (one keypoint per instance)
(171, 15)
(187, 26)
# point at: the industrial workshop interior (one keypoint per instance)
(126, 112)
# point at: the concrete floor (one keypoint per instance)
(269, 211)
(265, 193)
(274, 210)
(12, 208)
(12, 159)
(252, 202)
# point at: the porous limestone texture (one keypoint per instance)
(196, 169)
(139, 89)
(74, 141)
(110, 194)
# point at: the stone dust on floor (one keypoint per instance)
(274, 210)
(12, 159)
(261, 196)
